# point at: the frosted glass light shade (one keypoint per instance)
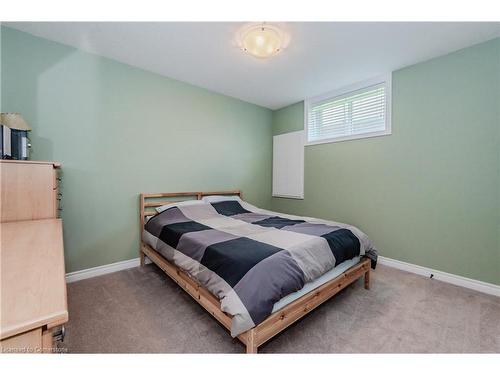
(262, 41)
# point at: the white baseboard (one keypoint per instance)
(465, 282)
(449, 278)
(102, 270)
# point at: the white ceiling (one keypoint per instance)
(319, 58)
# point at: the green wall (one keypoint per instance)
(119, 131)
(428, 194)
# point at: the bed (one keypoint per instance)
(255, 271)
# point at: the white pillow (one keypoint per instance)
(183, 203)
(220, 198)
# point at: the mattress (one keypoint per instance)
(330, 275)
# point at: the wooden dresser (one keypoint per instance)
(33, 288)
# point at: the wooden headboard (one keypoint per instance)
(149, 201)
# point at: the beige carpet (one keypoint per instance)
(142, 310)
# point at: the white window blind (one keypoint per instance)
(358, 113)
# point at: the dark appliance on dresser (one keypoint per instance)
(14, 141)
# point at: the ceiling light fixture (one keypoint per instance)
(262, 40)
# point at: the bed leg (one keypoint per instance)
(367, 279)
(251, 346)
(141, 257)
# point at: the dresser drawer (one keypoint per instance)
(29, 190)
(28, 342)
(35, 341)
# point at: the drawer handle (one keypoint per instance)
(59, 334)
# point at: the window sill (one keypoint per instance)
(349, 138)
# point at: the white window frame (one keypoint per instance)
(385, 79)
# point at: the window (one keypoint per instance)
(359, 111)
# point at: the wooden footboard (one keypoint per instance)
(275, 323)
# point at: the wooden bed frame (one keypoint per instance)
(275, 323)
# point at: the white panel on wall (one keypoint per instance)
(288, 165)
